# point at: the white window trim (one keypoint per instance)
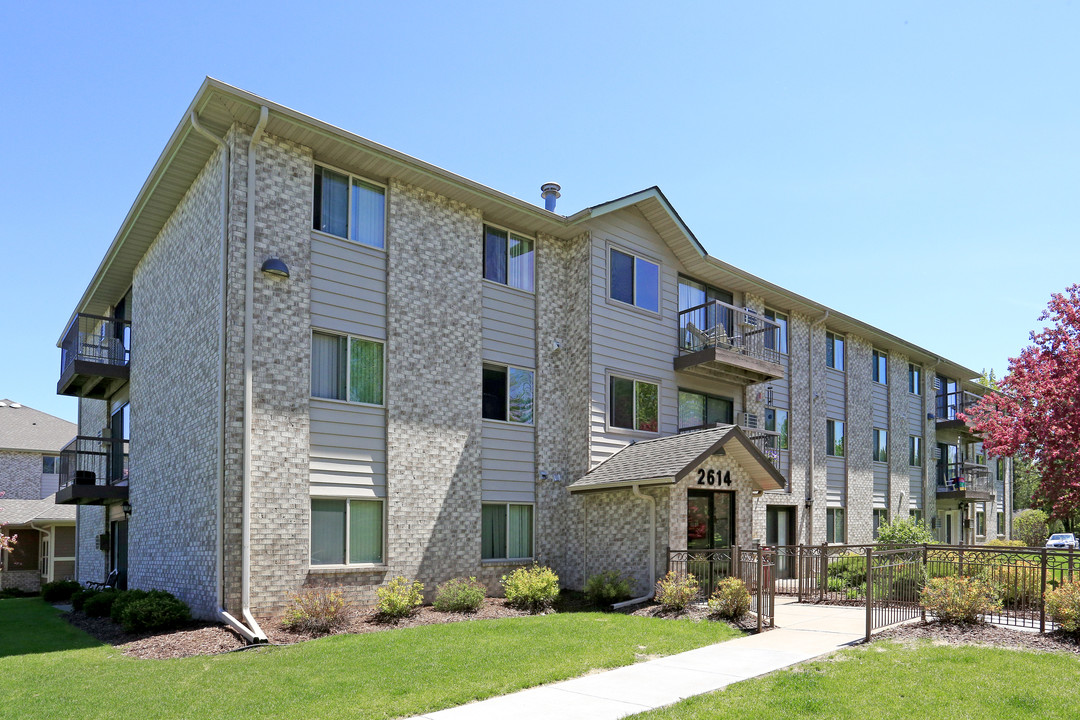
(508, 421)
(614, 429)
(348, 216)
(787, 319)
(532, 529)
(507, 285)
(348, 380)
(633, 291)
(348, 518)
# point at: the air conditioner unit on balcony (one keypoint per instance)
(749, 420)
(750, 317)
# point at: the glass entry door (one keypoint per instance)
(710, 519)
(118, 552)
(779, 532)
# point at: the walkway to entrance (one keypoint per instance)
(803, 632)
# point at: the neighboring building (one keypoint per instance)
(30, 446)
(338, 364)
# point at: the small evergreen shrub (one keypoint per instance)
(399, 597)
(460, 595)
(675, 592)
(607, 588)
(100, 603)
(730, 600)
(531, 588)
(906, 531)
(126, 597)
(997, 542)
(849, 570)
(156, 611)
(318, 611)
(1063, 606)
(960, 599)
(59, 591)
(79, 599)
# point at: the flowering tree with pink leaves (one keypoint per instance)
(6, 541)
(1035, 411)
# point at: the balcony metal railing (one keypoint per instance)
(717, 324)
(96, 339)
(948, 404)
(94, 461)
(767, 441)
(968, 477)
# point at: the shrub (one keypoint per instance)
(531, 588)
(126, 597)
(79, 599)
(100, 603)
(399, 597)
(607, 588)
(1005, 543)
(461, 595)
(157, 611)
(730, 600)
(959, 599)
(1030, 527)
(1063, 606)
(59, 591)
(318, 611)
(849, 570)
(906, 531)
(675, 592)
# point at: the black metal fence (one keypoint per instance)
(94, 461)
(754, 566)
(95, 339)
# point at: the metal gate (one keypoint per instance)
(894, 581)
(755, 566)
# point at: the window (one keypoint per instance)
(348, 368)
(834, 351)
(349, 207)
(508, 258)
(835, 528)
(634, 404)
(1001, 523)
(916, 516)
(346, 532)
(980, 523)
(697, 410)
(914, 451)
(776, 420)
(635, 281)
(506, 531)
(834, 438)
(508, 394)
(881, 517)
(881, 445)
(778, 340)
(881, 367)
(914, 379)
(1001, 470)
(50, 465)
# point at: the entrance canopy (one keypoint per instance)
(667, 460)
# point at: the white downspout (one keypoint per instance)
(219, 503)
(249, 315)
(652, 550)
(810, 432)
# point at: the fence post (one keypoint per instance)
(760, 586)
(772, 592)
(869, 591)
(823, 580)
(1070, 564)
(924, 577)
(736, 566)
(800, 568)
(1042, 595)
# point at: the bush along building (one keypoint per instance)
(308, 359)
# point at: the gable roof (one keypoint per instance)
(668, 460)
(25, 429)
(24, 512)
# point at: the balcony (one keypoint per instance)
(94, 357)
(724, 342)
(93, 471)
(964, 481)
(949, 404)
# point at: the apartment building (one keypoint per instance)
(30, 443)
(308, 359)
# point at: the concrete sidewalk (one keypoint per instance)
(803, 632)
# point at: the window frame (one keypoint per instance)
(1001, 523)
(915, 515)
(348, 211)
(706, 396)
(55, 463)
(876, 513)
(348, 376)
(832, 531)
(914, 379)
(915, 451)
(830, 438)
(532, 532)
(508, 421)
(880, 369)
(348, 500)
(771, 314)
(609, 415)
(879, 445)
(519, 235)
(831, 339)
(980, 523)
(782, 439)
(611, 247)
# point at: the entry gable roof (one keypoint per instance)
(45, 510)
(667, 460)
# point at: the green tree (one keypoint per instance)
(905, 532)
(1031, 528)
(1025, 482)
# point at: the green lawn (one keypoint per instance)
(52, 670)
(886, 681)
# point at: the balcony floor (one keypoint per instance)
(728, 365)
(91, 494)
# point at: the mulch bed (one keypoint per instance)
(984, 635)
(197, 638)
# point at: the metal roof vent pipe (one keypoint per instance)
(550, 193)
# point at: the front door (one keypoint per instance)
(780, 531)
(710, 525)
(118, 552)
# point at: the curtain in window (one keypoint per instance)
(622, 277)
(647, 285)
(521, 395)
(493, 532)
(520, 531)
(332, 194)
(327, 532)
(368, 213)
(646, 408)
(691, 410)
(622, 403)
(328, 355)
(495, 255)
(366, 371)
(521, 263)
(365, 531)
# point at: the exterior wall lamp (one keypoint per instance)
(276, 267)
(126, 507)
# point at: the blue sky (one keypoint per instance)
(912, 164)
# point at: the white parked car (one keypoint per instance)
(1062, 540)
